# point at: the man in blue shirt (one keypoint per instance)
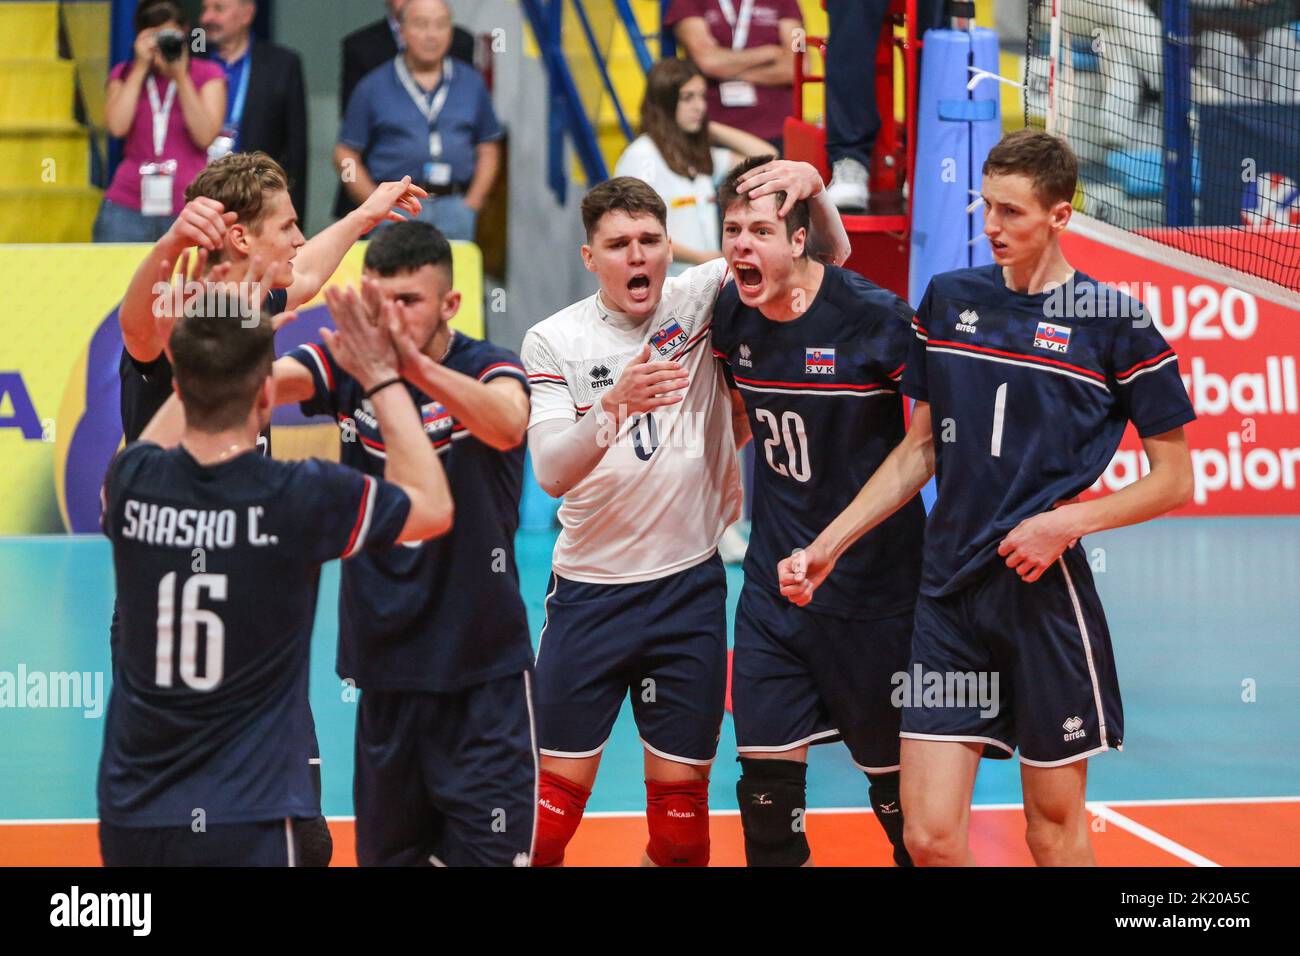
(1019, 408)
(429, 116)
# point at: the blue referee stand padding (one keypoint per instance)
(956, 128)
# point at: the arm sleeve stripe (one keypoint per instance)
(898, 371)
(322, 366)
(362, 528)
(502, 368)
(1165, 355)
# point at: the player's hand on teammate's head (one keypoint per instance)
(797, 180)
(387, 198)
(645, 386)
(203, 223)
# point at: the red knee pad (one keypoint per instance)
(560, 803)
(678, 816)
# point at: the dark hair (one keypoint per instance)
(407, 247)
(686, 154)
(796, 219)
(241, 183)
(625, 194)
(1045, 159)
(154, 13)
(218, 362)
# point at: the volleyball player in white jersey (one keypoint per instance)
(632, 423)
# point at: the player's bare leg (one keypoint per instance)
(677, 811)
(938, 778)
(1057, 830)
(563, 786)
(786, 812)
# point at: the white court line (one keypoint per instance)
(618, 814)
(1151, 836)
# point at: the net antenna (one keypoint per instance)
(1185, 116)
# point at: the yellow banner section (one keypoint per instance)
(59, 352)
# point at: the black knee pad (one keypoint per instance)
(883, 792)
(315, 845)
(772, 801)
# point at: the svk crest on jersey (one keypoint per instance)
(669, 338)
(1055, 338)
(437, 420)
(819, 361)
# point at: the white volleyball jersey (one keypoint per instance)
(660, 498)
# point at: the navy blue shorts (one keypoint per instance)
(446, 779)
(664, 641)
(799, 677)
(265, 843)
(1038, 656)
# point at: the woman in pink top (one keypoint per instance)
(168, 112)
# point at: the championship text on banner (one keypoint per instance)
(60, 344)
(1239, 356)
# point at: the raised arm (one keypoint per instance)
(202, 223)
(828, 240)
(363, 346)
(320, 257)
(900, 476)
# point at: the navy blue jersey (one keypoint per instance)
(1027, 407)
(217, 572)
(445, 614)
(146, 386)
(822, 396)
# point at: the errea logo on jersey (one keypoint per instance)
(819, 361)
(1073, 728)
(746, 359)
(968, 320)
(600, 376)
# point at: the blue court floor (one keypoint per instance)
(1204, 613)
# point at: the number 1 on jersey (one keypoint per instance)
(999, 414)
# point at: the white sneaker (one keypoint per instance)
(848, 188)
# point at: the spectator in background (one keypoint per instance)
(852, 117)
(373, 46)
(169, 112)
(266, 97)
(426, 116)
(684, 157)
(745, 48)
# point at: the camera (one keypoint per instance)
(171, 43)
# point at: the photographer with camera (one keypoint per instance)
(169, 107)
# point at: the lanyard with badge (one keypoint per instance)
(738, 94)
(436, 172)
(225, 143)
(157, 178)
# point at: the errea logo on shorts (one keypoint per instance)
(1073, 728)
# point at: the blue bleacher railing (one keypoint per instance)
(568, 119)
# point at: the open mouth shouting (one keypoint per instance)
(749, 278)
(638, 287)
(999, 248)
